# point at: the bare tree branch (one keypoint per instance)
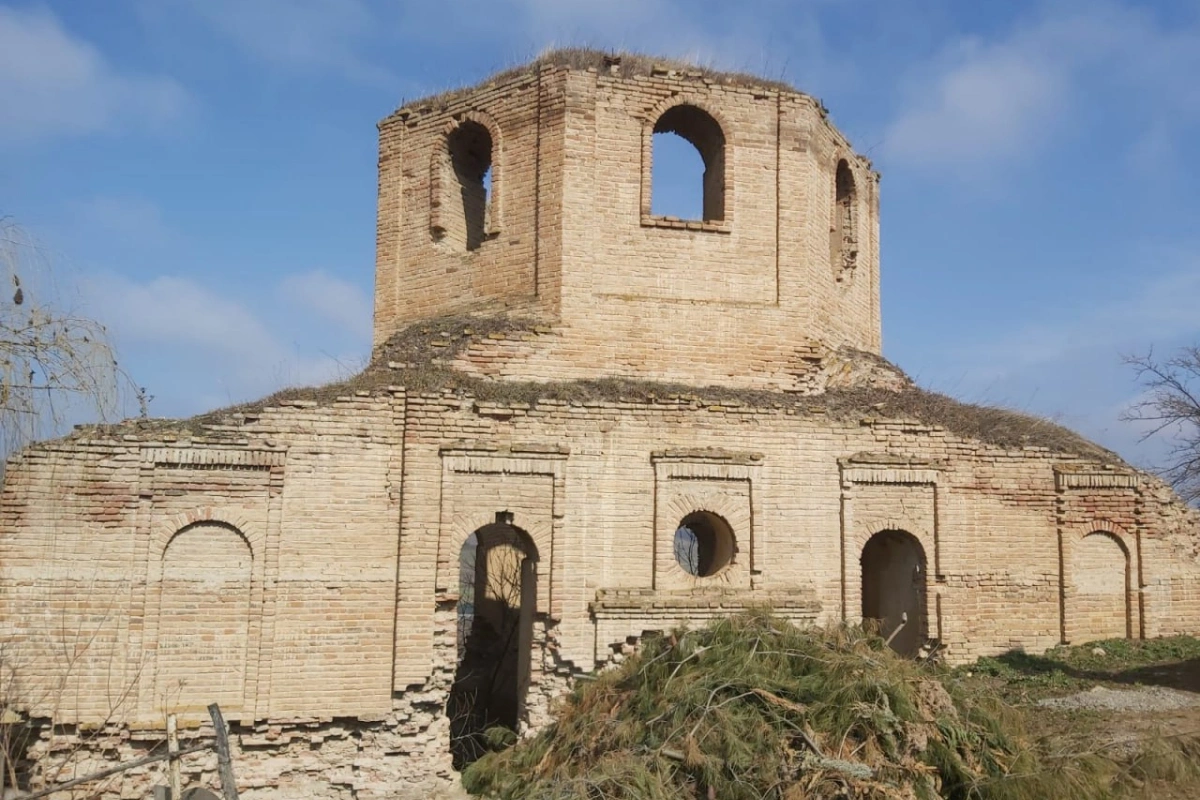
(1171, 407)
(54, 363)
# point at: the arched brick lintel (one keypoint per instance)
(248, 528)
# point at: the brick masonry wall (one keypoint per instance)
(322, 543)
(736, 302)
(299, 564)
(109, 547)
(418, 276)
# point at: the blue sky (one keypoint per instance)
(202, 171)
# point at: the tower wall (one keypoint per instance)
(423, 267)
(785, 255)
(710, 301)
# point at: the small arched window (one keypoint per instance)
(470, 150)
(674, 184)
(843, 233)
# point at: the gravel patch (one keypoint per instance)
(1142, 698)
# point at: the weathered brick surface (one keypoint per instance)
(734, 302)
(299, 564)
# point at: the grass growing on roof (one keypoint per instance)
(753, 707)
(420, 357)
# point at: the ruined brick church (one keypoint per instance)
(637, 421)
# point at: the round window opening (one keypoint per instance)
(704, 544)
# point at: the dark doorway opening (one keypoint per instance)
(893, 589)
(497, 602)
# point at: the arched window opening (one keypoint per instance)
(893, 589)
(470, 147)
(844, 231)
(681, 185)
(497, 601)
(1100, 576)
(704, 544)
(204, 620)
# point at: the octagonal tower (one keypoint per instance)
(529, 196)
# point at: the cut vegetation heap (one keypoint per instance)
(753, 707)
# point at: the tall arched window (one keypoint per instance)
(844, 230)
(681, 184)
(470, 150)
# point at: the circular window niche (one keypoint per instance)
(704, 544)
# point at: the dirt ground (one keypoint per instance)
(1117, 698)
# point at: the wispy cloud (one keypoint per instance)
(1069, 367)
(53, 83)
(215, 349)
(982, 101)
(306, 35)
(343, 303)
(1163, 309)
(124, 218)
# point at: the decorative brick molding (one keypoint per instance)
(881, 492)
(221, 458)
(1094, 500)
(457, 524)
(259, 530)
(720, 482)
(1088, 477)
(637, 603)
(731, 141)
(442, 185)
(625, 614)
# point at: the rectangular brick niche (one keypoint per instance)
(720, 483)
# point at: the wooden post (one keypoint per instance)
(224, 765)
(173, 762)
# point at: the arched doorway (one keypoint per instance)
(497, 603)
(893, 588)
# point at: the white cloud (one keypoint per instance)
(1070, 367)
(181, 310)
(1159, 310)
(216, 349)
(337, 301)
(989, 104)
(124, 218)
(52, 83)
(981, 101)
(299, 34)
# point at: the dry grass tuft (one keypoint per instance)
(623, 64)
